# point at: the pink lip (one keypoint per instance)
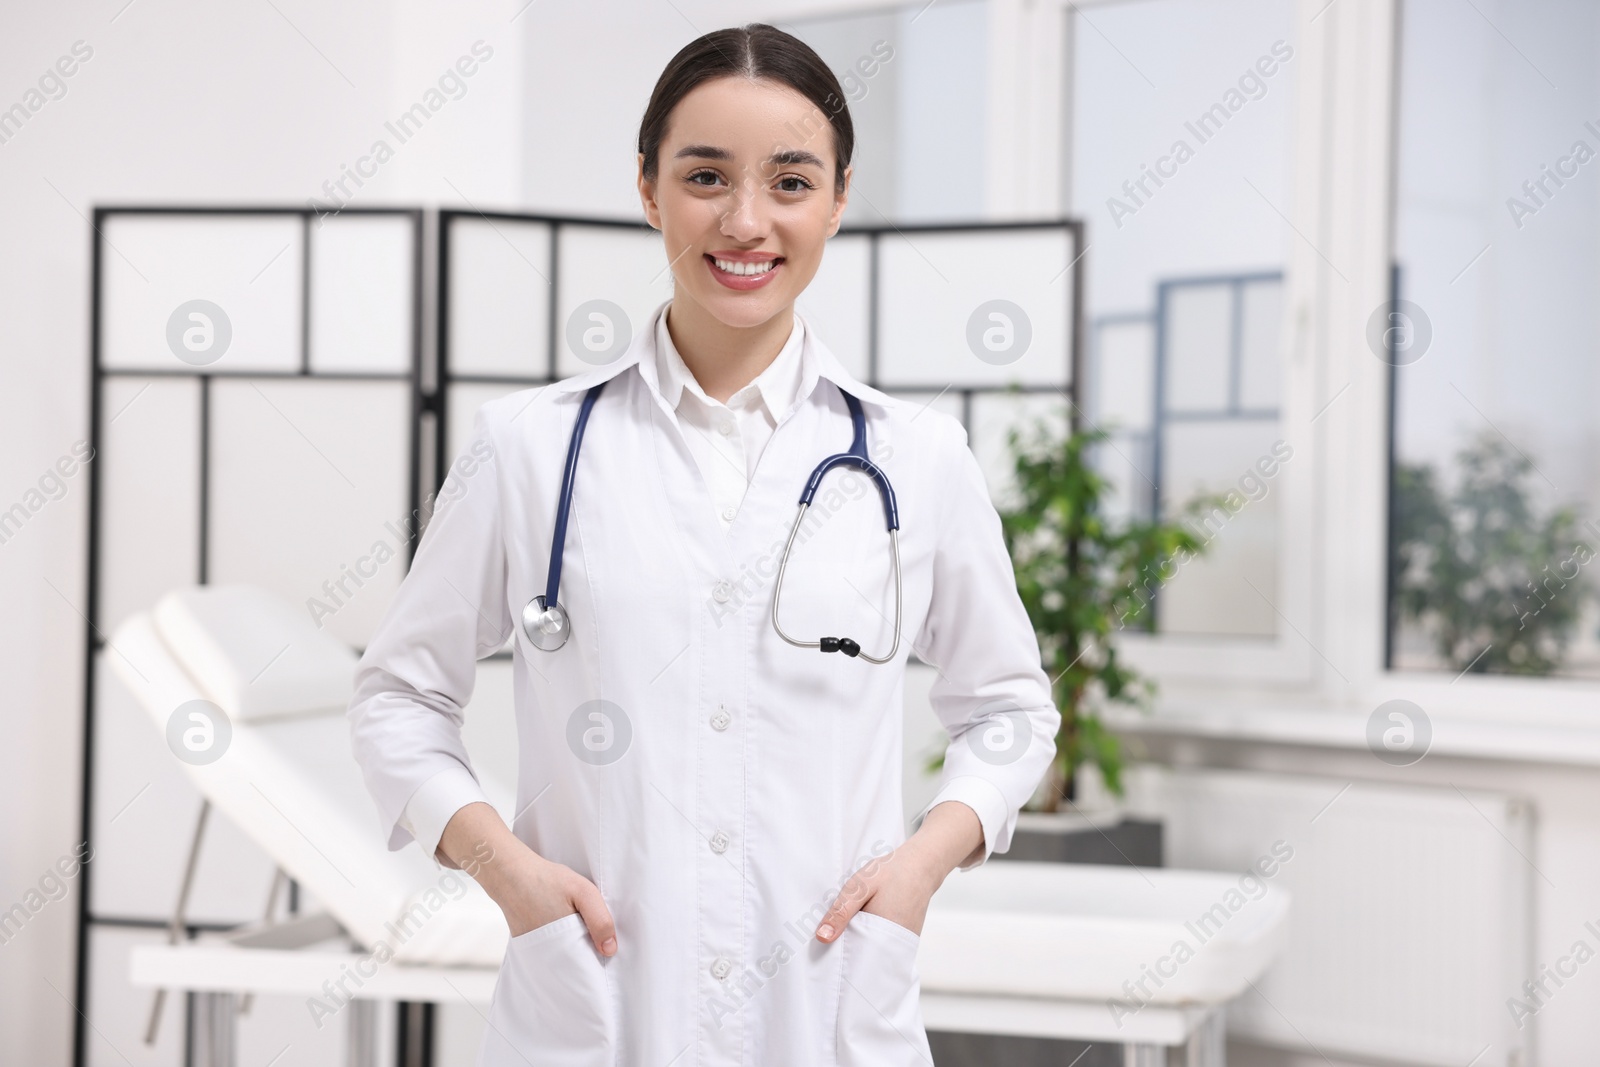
(743, 282)
(736, 256)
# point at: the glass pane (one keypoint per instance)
(1122, 375)
(1232, 587)
(1199, 336)
(1496, 370)
(1179, 165)
(916, 78)
(1121, 399)
(220, 292)
(361, 280)
(500, 278)
(1261, 352)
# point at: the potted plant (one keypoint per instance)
(1083, 576)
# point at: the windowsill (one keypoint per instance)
(1322, 727)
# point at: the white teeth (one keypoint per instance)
(744, 268)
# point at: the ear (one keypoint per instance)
(647, 197)
(839, 201)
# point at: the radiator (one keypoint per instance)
(1411, 920)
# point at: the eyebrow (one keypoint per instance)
(783, 157)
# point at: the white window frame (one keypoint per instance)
(1335, 412)
(1180, 662)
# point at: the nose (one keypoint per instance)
(746, 217)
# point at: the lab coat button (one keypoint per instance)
(720, 719)
(729, 513)
(720, 968)
(719, 842)
(721, 593)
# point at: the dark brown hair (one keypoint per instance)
(753, 51)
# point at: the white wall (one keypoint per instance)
(178, 103)
(184, 102)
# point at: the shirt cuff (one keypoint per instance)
(986, 800)
(431, 807)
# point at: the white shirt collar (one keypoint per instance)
(817, 362)
(778, 386)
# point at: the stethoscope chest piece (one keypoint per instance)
(547, 627)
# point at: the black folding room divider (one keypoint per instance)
(274, 388)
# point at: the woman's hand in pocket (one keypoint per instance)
(530, 890)
(536, 891)
(896, 887)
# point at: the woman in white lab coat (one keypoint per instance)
(708, 861)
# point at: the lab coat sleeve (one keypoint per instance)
(418, 671)
(992, 693)
(428, 811)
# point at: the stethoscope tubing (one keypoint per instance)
(547, 624)
(552, 584)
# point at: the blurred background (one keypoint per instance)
(1331, 262)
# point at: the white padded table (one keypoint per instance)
(1028, 949)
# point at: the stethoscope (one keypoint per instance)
(547, 624)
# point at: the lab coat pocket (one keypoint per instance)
(552, 1004)
(880, 1014)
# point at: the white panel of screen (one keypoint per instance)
(499, 292)
(975, 308)
(219, 293)
(610, 280)
(361, 298)
(835, 304)
(309, 497)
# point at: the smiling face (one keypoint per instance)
(744, 197)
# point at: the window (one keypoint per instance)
(1495, 469)
(915, 79)
(1179, 149)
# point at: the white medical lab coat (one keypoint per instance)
(718, 784)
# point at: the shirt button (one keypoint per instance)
(725, 428)
(720, 968)
(720, 719)
(721, 593)
(729, 513)
(719, 842)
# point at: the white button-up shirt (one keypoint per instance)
(718, 784)
(726, 439)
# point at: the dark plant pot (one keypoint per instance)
(1110, 838)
